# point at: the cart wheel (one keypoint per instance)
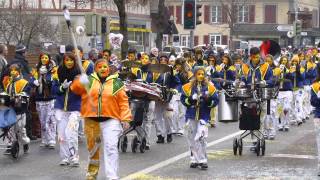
(235, 146)
(25, 148)
(143, 145)
(240, 145)
(258, 147)
(263, 146)
(134, 144)
(15, 150)
(124, 144)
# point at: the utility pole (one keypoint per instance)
(296, 38)
(191, 38)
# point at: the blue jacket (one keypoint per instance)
(262, 72)
(287, 85)
(310, 76)
(205, 104)
(298, 78)
(47, 84)
(315, 101)
(65, 98)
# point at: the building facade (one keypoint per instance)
(138, 15)
(226, 22)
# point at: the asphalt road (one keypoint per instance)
(292, 155)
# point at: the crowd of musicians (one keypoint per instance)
(88, 96)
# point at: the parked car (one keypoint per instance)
(179, 50)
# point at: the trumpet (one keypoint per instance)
(198, 101)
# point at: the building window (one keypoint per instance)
(243, 14)
(216, 14)
(165, 40)
(185, 40)
(270, 12)
(215, 39)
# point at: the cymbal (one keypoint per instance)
(159, 68)
(128, 63)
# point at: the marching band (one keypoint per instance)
(180, 96)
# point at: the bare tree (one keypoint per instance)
(22, 25)
(230, 11)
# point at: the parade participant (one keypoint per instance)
(311, 74)
(315, 57)
(93, 55)
(199, 58)
(213, 71)
(67, 107)
(189, 60)
(41, 80)
(154, 53)
(15, 86)
(270, 120)
(298, 82)
(131, 55)
(238, 63)
(106, 54)
(256, 70)
(104, 107)
(315, 102)
(228, 71)
(86, 64)
(199, 96)
(285, 96)
(179, 109)
(3, 61)
(20, 59)
(163, 111)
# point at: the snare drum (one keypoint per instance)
(138, 89)
(21, 101)
(266, 93)
(243, 93)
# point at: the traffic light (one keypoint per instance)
(189, 14)
(198, 14)
(298, 27)
(170, 27)
(88, 24)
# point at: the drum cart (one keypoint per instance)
(249, 120)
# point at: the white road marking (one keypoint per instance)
(296, 156)
(176, 158)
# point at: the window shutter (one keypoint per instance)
(270, 13)
(171, 10)
(196, 40)
(315, 18)
(178, 14)
(252, 13)
(206, 39)
(224, 40)
(225, 10)
(207, 14)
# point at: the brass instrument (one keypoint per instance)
(198, 101)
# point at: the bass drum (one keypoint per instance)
(227, 110)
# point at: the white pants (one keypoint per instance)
(68, 125)
(270, 121)
(317, 130)
(197, 145)
(148, 121)
(111, 131)
(47, 121)
(298, 105)
(306, 101)
(179, 111)
(284, 107)
(18, 130)
(163, 118)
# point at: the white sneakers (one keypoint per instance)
(73, 162)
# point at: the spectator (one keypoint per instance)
(3, 61)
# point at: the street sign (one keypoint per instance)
(285, 28)
(304, 33)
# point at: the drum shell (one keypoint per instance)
(266, 93)
(227, 110)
